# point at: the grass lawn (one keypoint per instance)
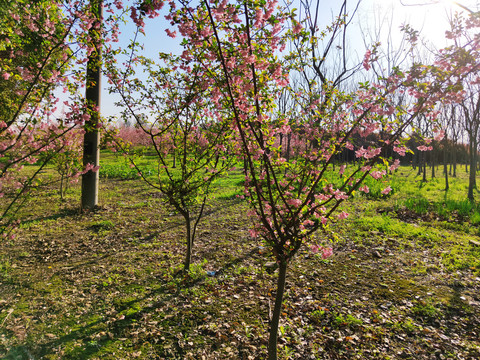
(403, 283)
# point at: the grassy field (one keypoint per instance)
(404, 281)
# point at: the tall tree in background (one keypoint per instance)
(91, 141)
(462, 57)
(471, 116)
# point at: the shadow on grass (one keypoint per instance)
(87, 343)
(64, 213)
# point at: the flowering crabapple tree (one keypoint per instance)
(181, 127)
(35, 56)
(291, 200)
(65, 153)
(44, 48)
(132, 135)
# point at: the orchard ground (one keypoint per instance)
(403, 283)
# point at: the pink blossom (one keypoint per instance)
(440, 135)
(369, 153)
(91, 167)
(297, 28)
(170, 33)
(327, 252)
(377, 174)
(387, 190)
(308, 223)
(294, 202)
(366, 60)
(424, 148)
(400, 150)
(340, 195)
(343, 215)
(6, 76)
(365, 189)
(395, 165)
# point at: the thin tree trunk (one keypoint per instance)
(454, 160)
(433, 163)
(419, 162)
(474, 176)
(188, 254)
(445, 165)
(272, 342)
(424, 167)
(471, 179)
(61, 186)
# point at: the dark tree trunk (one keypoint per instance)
(63, 190)
(472, 174)
(91, 139)
(188, 238)
(454, 160)
(420, 159)
(424, 166)
(432, 154)
(445, 163)
(272, 342)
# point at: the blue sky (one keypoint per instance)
(429, 16)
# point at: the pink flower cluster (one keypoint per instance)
(325, 252)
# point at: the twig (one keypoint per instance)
(10, 311)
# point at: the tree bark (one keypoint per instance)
(445, 163)
(424, 166)
(454, 156)
(91, 140)
(473, 168)
(272, 342)
(419, 162)
(432, 154)
(188, 254)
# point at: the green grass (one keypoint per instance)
(106, 284)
